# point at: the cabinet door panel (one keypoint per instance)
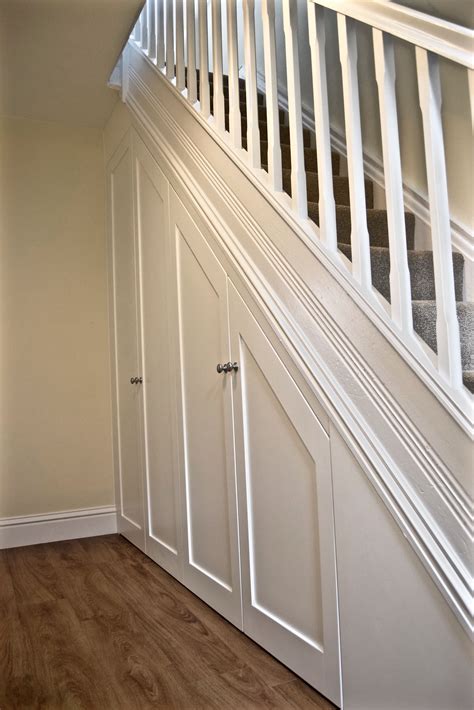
(285, 511)
(162, 499)
(207, 457)
(125, 360)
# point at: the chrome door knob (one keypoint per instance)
(227, 367)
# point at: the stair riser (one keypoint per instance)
(424, 323)
(340, 187)
(310, 158)
(421, 269)
(376, 224)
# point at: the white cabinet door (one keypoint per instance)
(211, 566)
(162, 493)
(129, 486)
(289, 593)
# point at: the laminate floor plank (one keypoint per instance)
(95, 625)
(34, 577)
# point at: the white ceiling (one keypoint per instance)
(56, 57)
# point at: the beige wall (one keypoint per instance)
(55, 421)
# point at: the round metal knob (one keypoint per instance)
(227, 367)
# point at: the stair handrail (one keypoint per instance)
(447, 39)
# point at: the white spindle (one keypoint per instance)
(447, 326)
(218, 83)
(360, 242)
(327, 206)
(470, 78)
(191, 51)
(136, 33)
(271, 86)
(180, 76)
(160, 34)
(400, 287)
(144, 28)
(169, 40)
(298, 171)
(235, 125)
(250, 58)
(152, 29)
(204, 60)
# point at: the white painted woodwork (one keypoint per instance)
(400, 286)
(151, 27)
(289, 593)
(191, 78)
(169, 20)
(235, 124)
(327, 205)
(204, 96)
(355, 162)
(271, 94)
(298, 171)
(422, 29)
(218, 82)
(388, 604)
(447, 326)
(250, 61)
(160, 33)
(162, 500)
(125, 348)
(144, 28)
(211, 565)
(180, 75)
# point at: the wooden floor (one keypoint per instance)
(95, 624)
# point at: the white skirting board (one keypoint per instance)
(61, 525)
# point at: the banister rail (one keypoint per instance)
(441, 37)
(207, 49)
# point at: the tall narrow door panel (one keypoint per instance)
(285, 511)
(125, 352)
(162, 491)
(211, 567)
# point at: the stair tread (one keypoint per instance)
(376, 224)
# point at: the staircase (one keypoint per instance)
(420, 262)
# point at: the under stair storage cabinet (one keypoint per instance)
(124, 341)
(246, 426)
(222, 466)
(146, 478)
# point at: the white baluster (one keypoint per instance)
(271, 85)
(218, 83)
(355, 163)
(253, 130)
(447, 326)
(169, 40)
(470, 78)
(152, 29)
(144, 29)
(298, 172)
(191, 51)
(235, 125)
(160, 34)
(180, 76)
(327, 206)
(204, 98)
(400, 287)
